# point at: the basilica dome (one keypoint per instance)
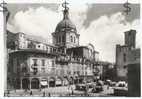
(65, 24)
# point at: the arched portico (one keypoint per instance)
(52, 82)
(25, 83)
(35, 83)
(59, 81)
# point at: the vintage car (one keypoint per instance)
(121, 89)
(84, 87)
(121, 84)
(80, 87)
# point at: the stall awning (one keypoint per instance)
(44, 82)
(58, 82)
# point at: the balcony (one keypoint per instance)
(62, 59)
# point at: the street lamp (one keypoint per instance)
(6, 14)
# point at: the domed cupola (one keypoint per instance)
(66, 23)
(65, 35)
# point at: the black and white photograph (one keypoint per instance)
(72, 48)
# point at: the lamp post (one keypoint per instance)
(6, 15)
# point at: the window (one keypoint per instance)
(35, 62)
(124, 57)
(74, 40)
(31, 45)
(43, 70)
(63, 38)
(72, 30)
(18, 65)
(78, 72)
(125, 67)
(43, 62)
(71, 39)
(59, 39)
(38, 46)
(53, 65)
(51, 50)
(54, 49)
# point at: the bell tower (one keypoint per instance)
(130, 38)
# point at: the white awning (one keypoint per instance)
(43, 82)
(58, 82)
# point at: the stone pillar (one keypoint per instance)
(39, 82)
(48, 81)
(21, 83)
(78, 80)
(30, 83)
(55, 82)
(6, 15)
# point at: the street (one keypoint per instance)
(58, 91)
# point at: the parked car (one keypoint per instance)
(80, 87)
(121, 84)
(110, 83)
(121, 89)
(84, 87)
(113, 83)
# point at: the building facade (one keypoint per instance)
(134, 73)
(124, 53)
(34, 63)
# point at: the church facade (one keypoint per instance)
(33, 63)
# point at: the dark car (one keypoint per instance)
(80, 87)
(121, 89)
(84, 87)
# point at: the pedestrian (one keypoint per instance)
(49, 94)
(8, 92)
(107, 86)
(31, 93)
(72, 90)
(44, 94)
(15, 90)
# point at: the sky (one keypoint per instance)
(103, 25)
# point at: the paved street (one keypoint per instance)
(58, 91)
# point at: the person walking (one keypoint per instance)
(31, 93)
(49, 94)
(72, 91)
(44, 94)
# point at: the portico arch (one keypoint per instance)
(52, 82)
(59, 81)
(25, 83)
(35, 83)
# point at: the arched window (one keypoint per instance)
(59, 39)
(35, 83)
(63, 38)
(52, 82)
(25, 83)
(35, 62)
(124, 57)
(74, 40)
(71, 39)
